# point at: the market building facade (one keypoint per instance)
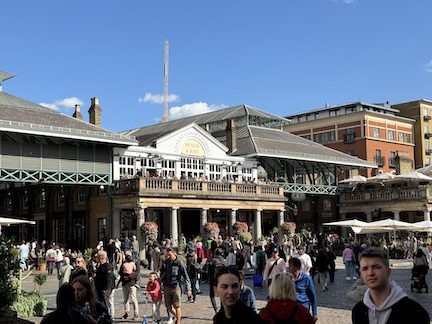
(231, 164)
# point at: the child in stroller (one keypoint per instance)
(419, 272)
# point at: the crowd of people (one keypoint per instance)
(289, 267)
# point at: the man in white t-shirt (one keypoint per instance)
(306, 261)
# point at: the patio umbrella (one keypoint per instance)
(427, 170)
(412, 176)
(381, 177)
(14, 221)
(354, 180)
(423, 226)
(373, 230)
(392, 224)
(347, 223)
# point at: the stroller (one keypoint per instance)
(419, 278)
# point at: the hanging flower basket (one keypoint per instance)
(150, 230)
(288, 228)
(211, 230)
(240, 227)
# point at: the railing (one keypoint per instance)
(396, 194)
(308, 188)
(152, 186)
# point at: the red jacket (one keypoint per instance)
(155, 290)
(282, 309)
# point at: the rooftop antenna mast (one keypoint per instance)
(165, 113)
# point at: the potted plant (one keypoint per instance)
(211, 230)
(40, 279)
(41, 264)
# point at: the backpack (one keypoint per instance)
(290, 320)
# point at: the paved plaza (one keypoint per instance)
(333, 305)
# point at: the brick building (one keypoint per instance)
(421, 111)
(373, 132)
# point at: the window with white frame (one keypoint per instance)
(231, 173)
(401, 137)
(247, 174)
(408, 138)
(376, 132)
(127, 166)
(332, 136)
(324, 138)
(81, 196)
(191, 167)
(215, 172)
(390, 135)
(168, 168)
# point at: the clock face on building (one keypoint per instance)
(191, 147)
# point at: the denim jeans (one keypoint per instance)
(349, 268)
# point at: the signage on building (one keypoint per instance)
(191, 147)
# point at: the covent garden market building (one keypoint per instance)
(81, 183)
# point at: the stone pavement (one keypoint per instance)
(333, 307)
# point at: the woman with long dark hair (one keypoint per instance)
(66, 312)
(85, 296)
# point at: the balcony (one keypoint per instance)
(379, 160)
(349, 138)
(395, 195)
(427, 135)
(428, 151)
(427, 118)
(199, 189)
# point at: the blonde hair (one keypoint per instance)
(282, 287)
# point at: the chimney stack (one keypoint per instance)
(95, 112)
(231, 136)
(77, 114)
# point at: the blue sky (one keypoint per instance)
(279, 56)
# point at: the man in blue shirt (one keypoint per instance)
(305, 287)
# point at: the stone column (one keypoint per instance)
(396, 215)
(369, 216)
(232, 220)
(177, 166)
(174, 226)
(281, 217)
(204, 218)
(426, 215)
(257, 225)
(115, 230)
(140, 214)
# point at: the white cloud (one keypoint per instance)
(158, 98)
(348, 1)
(195, 108)
(66, 103)
(428, 66)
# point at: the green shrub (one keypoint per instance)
(30, 305)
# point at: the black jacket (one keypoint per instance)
(404, 311)
(241, 314)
